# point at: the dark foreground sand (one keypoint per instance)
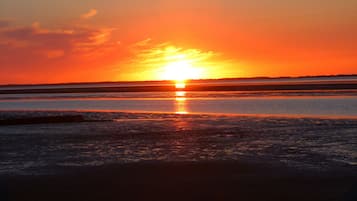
(182, 181)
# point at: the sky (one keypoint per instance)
(46, 41)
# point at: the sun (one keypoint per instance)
(180, 71)
(180, 68)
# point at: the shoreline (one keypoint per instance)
(76, 116)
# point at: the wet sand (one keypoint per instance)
(182, 181)
(245, 158)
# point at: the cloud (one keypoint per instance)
(142, 43)
(34, 52)
(4, 23)
(58, 42)
(150, 60)
(52, 54)
(91, 13)
(156, 54)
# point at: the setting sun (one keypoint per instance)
(179, 66)
(180, 70)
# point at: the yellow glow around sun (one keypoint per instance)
(164, 61)
(180, 71)
(179, 67)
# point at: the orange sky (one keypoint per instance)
(50, 42)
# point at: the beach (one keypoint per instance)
(155, 156)
(229, 140)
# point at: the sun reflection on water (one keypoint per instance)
(180, 94)
(180, 102)
(180, 85)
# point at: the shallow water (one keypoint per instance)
(193, 102)
(303, 102)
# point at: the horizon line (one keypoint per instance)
(207, 79)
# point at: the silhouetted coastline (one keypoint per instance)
(243, 87)
(291, 78)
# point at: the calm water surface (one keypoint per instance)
(278, 103)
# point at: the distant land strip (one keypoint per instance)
(243, 87)
(352, 76)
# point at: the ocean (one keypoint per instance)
(323, 101)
